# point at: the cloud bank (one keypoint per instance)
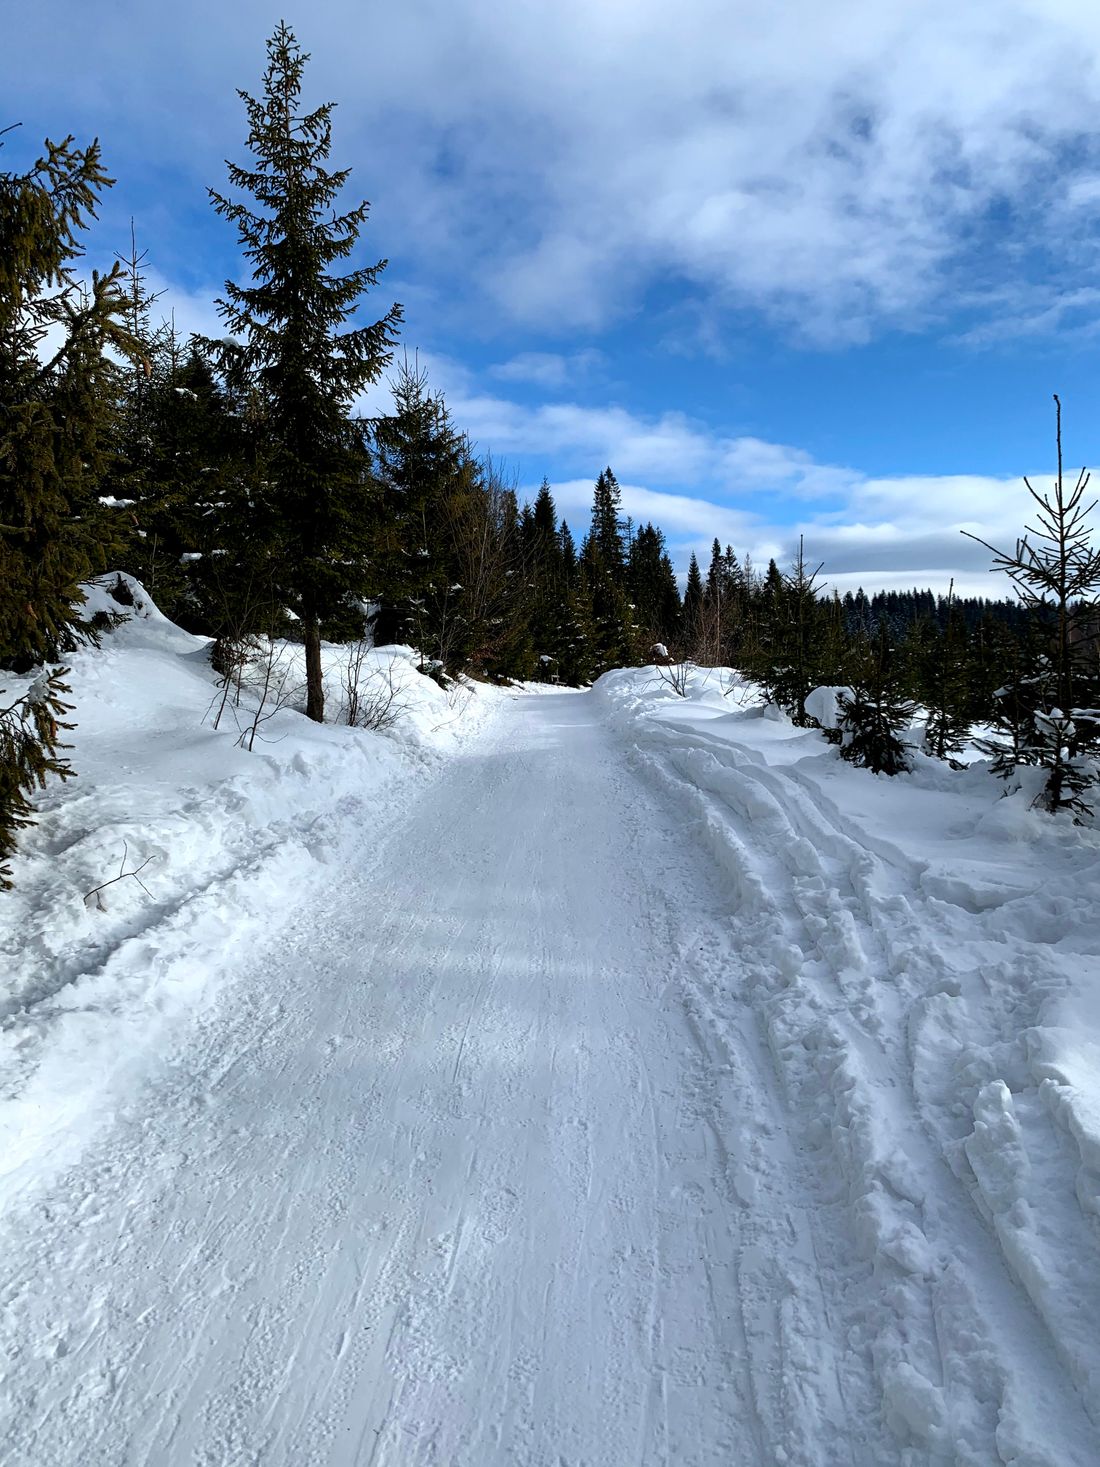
(836, 167)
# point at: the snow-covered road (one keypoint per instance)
(464, 1169)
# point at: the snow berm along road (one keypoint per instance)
(607, 1099)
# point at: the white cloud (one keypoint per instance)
(825, 163)
(883, 531)
(549, 370)
(696, 484)
(757, 495)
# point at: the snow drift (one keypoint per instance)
(921, 956)
(224, 843)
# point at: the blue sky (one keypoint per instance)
(787, 267)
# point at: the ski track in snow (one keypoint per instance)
(570, 1127)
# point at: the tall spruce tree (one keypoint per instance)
(549, 619)
(653, 589)
(568, 551)
(58, 394)
(692, 616)
(56, 410)
(607, 526)
(291, 344)
(424, 463)
(603, 562)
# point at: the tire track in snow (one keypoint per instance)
(960, 1348)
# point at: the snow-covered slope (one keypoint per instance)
(653, 1088)
(921, 955)
(226, 843)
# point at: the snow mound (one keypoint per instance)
(822, 705)
(222, 844)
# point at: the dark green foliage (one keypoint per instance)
(790, 659)
(568, 553)
(1011, 685)
(55, 414)
(900, 609)
(580, 661)
(198, 500)
(298, 353)
(424, 464)
(493, 570)
(550, 578)
(187, 475)
(691, 619)
(453, 554)
(876, 713)
(30, 751)
(652, 588)
(603, 566)
(945, 690)
(1055, 569)
(607, 539)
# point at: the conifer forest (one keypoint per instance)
(235, 479)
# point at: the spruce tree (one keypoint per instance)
(292, 347)
(607, 527)
(424, 467)
(568, 551)
(792, 667)
(712, 640)
(56, 413)
(1055, 569)
(30, 751)
(205, 551)
(652, 586)
(545, 516)
(57, 403)
(549, 588)
(603, 562)
(580, 657)
(946, 688)
(692, 616)
(877, 711)
(765, 642)
(492, 581)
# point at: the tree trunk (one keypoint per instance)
(315, 693)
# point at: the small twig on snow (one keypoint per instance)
(98, 903)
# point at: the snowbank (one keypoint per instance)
(921, 955)
(225, 845)
(822, 704)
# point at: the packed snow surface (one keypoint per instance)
(611, 1078)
